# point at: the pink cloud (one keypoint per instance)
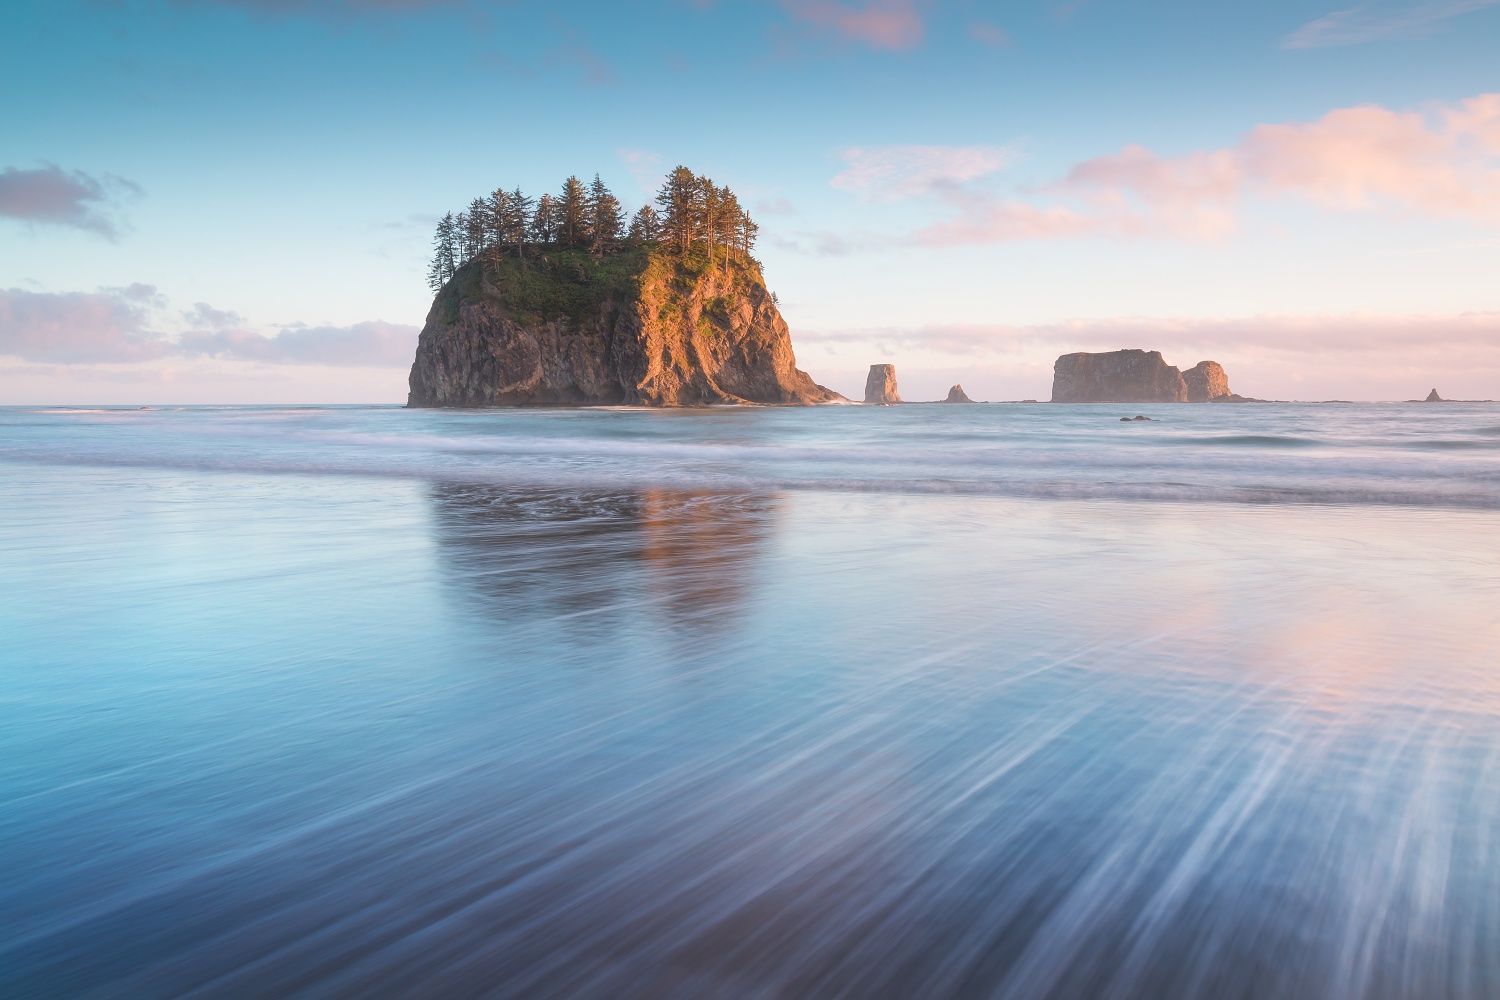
(1365, 158)
(369, 344)
(881, 24)
(112, 325)
(123, 325)
(1444, 163)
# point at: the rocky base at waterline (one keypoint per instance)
(638, 327)
(1137, 376)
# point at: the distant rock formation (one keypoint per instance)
(643, 326)
(1433, 397)
(1136, 376)
(880, 386)
(1206, 382)
(1132, 376)
(957, 395)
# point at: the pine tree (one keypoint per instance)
(444, 253)
(497, 210)
(520, 220)
(606, 218)
(572, 211)
(746, 231)
(713, 212)
(461, 237)
(727, 221)
(645, 227)
(544, 221)
(476, 228)
(678, 199)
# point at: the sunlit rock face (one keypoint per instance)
(1206, 382)
(1132, 376)
(957, 395)
(640, 327)
(880, 385)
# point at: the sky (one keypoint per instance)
(232, 201)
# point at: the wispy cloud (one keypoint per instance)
(891, 173)
(894, 25)
(989, 34)
(646, 168)
(134, 324)
(1379, 22)
(1431, 335)
(54, 196)
(1442, 162)
(326, 7)
(597, 71)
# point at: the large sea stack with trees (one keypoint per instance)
(556, 301)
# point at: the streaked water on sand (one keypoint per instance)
(855, 702)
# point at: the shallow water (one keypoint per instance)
(1006, 701)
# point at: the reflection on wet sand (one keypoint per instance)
(599, 560)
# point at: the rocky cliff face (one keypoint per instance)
(1117, 377)
(1206, 382)
(635, 327)
(1136, 377)
(880, 385)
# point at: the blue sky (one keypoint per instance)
(233, 201)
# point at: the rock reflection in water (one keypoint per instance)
(599, 561)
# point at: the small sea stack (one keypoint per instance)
(1206, 382)
(880, 386)
(957, 395)
(1433, 397)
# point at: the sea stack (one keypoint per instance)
(957, 395)
(641, 326)
(1206, 382)
(1136, 376)
(1132, 376)
(880, 385)
(1433, 397)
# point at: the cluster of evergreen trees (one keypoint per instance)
(693, 212)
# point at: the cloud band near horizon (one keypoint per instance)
(132, 325)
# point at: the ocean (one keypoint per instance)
(1009, 701)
